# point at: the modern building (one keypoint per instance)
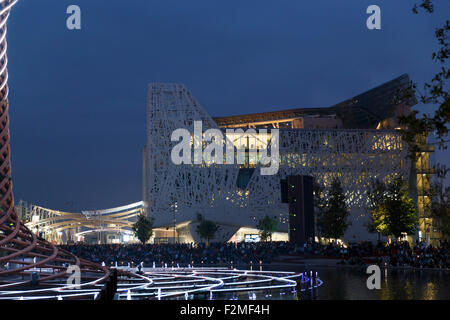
(112, 225)
(355, 140)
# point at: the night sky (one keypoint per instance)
(78, 98)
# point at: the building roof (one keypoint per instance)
(363, 111)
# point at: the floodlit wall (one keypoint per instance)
(176, 193)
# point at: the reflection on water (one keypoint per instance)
(336, 283)
(350, 284)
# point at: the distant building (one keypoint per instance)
(97, 226)
(354, 140)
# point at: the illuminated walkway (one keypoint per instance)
(52, 223)
(215, 283)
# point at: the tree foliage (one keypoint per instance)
(439, 202)
(435, 93)
(392, 210)
(267, 226)
(319, 197)
(332, 218)
(377, 209)
(319, 203)
(143, 228)
(206, 229)
(400, 209)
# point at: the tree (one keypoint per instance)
(401, 216)
(377, 209)
(439, 201)
(392, 210)
(143, 228)
(319, 197)
(435, 93)
(319, 203)
(206, 229)
(266, 227)
(441, 212)
(332, 221)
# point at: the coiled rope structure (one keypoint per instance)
(21, 251)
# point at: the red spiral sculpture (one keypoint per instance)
(22, 255)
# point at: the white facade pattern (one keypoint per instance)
(181, 192)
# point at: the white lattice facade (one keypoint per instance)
(177, 193)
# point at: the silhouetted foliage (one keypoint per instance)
(143, 228)
(332, 218)
(267, 227)
(439, 195)
(206, 229)
(376, 208)
(435, 93)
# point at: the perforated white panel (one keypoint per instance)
(182, 191)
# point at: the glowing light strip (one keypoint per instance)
(137, 205)
(283, 277)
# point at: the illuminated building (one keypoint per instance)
(112, 225)
(355, 140)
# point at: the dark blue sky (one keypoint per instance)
(78, 97)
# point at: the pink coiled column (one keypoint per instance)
(21, 252)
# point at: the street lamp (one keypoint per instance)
(174, 222)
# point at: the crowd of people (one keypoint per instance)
(396, 254)
(183, 254)
(420, 255)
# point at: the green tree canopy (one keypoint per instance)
(376, 208)
(206, 229)
(435, 93)
(143, 228)
(332, 218)
(266, 227)
(392, 210)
